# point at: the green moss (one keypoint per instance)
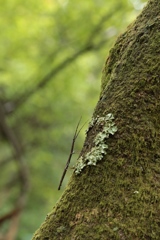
(120, 197)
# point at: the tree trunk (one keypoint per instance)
(114, 192)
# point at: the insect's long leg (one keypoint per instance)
(71, 151)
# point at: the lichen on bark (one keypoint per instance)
(99, 150)
(120, 197)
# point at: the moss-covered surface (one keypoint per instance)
(119, 198)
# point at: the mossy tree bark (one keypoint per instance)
(119, 198)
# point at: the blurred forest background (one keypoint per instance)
(51, 57)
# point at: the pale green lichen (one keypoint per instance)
(100, 149)
(61, 229)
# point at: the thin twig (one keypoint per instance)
(71, 151)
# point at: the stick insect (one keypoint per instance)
(71, 151)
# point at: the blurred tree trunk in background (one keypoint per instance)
(119, 198)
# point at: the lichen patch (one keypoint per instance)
(100, 145)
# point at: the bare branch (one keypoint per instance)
(21, 166)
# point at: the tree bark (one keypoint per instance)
(119, 197)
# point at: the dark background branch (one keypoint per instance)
(22, 171)
(88, 46)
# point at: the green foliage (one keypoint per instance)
(44, 93)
